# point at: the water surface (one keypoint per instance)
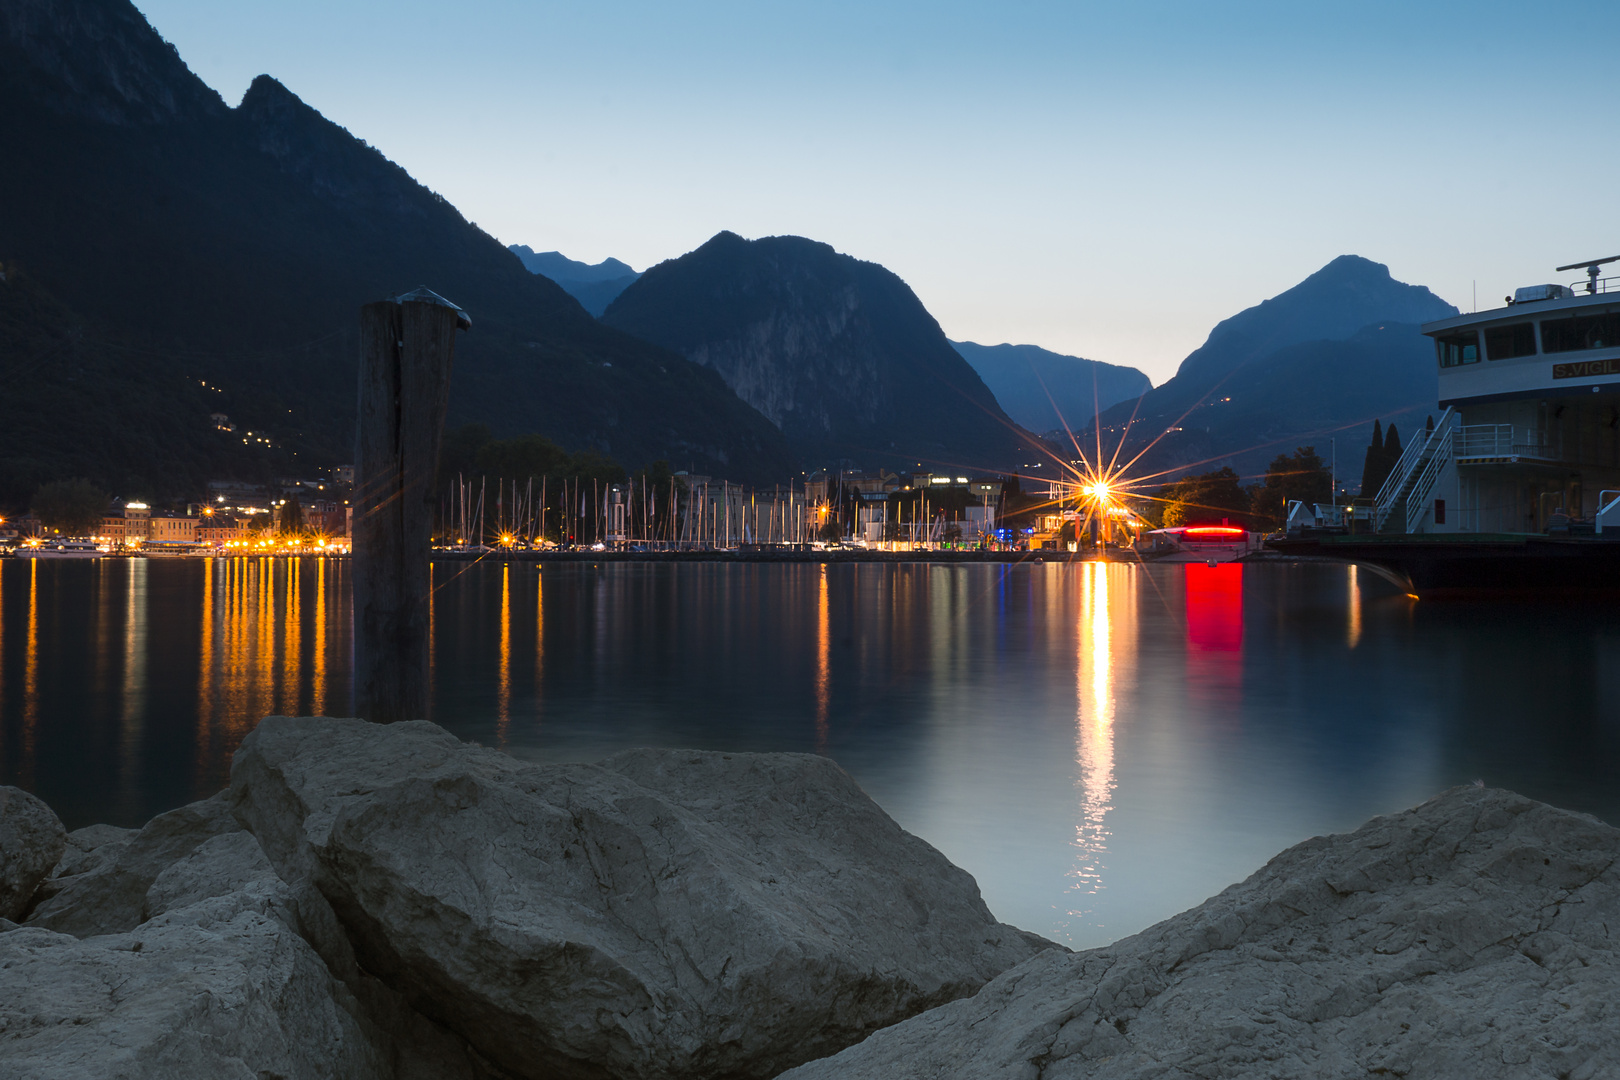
(1100, 745)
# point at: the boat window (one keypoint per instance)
(1507, 342)
(1457, 349)
(1600, 331)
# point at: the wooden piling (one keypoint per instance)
(406, 349)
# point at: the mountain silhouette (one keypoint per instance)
(837, 352)
(1047, 391)
(593, 285)
(1334, 352)
(178, 243)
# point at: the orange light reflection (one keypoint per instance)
(823, 663)
(1094, 729)
(503, 692)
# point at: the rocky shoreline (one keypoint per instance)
(389, 902)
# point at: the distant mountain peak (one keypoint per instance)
(103, 61)
(326, 156)
(1332, 304)
(1339, 348)
(266, 92)
(1048, 391)
(595, 286)
(838, 352)
(559, 267)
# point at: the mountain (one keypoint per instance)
(1334, 352)
(169, 241)
(559, 267)
(837, 352)
(594, 286)
(1047, 391)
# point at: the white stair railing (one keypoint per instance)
(1608, 512)
(1409, 470)
(1417, 500)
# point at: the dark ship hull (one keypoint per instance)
(1462, 566)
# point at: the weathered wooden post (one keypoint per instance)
(406, 347)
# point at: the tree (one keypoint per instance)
(1300, 475)
(1374, 469)
(1383, 454)
(519, 458)
(1204, 497)
(831, 531)
(291, 521)
(71, 507)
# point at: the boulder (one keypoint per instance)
(661, 914)
(31, 843)
(102, 888)
(1473, 936)
(91, 848)
(215, 991)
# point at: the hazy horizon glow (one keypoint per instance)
(1108, 182)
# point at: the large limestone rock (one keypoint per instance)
(218, 990)
(31, 843)
(101, 888)
(1474, 936)
(663, 914)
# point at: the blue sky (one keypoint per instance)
(1108, 180)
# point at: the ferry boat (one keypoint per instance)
(1516, 485)
(61, 549)
(1198, 542)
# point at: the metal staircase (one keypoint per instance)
(1404, 498)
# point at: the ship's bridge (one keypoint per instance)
(1548, 340)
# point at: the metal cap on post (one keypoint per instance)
(407, 345)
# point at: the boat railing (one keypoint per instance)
(1390, 492)
(1602, 285)
(1409, 471)
(1504, 440)
(1417, 500)
(1608, 512)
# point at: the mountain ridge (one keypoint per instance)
(236, 246)
(1047, 391)
(1339, 349)
(838, 352)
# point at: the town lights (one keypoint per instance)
(1098, 492)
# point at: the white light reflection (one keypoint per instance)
(1094, 732)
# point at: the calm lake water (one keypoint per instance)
(1100, 745)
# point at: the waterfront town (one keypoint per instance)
(874, 510)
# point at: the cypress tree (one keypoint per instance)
(1372, 473)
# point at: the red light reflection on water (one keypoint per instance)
(1214, 597)
(1215, 607)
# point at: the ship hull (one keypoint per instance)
(1440, 567)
